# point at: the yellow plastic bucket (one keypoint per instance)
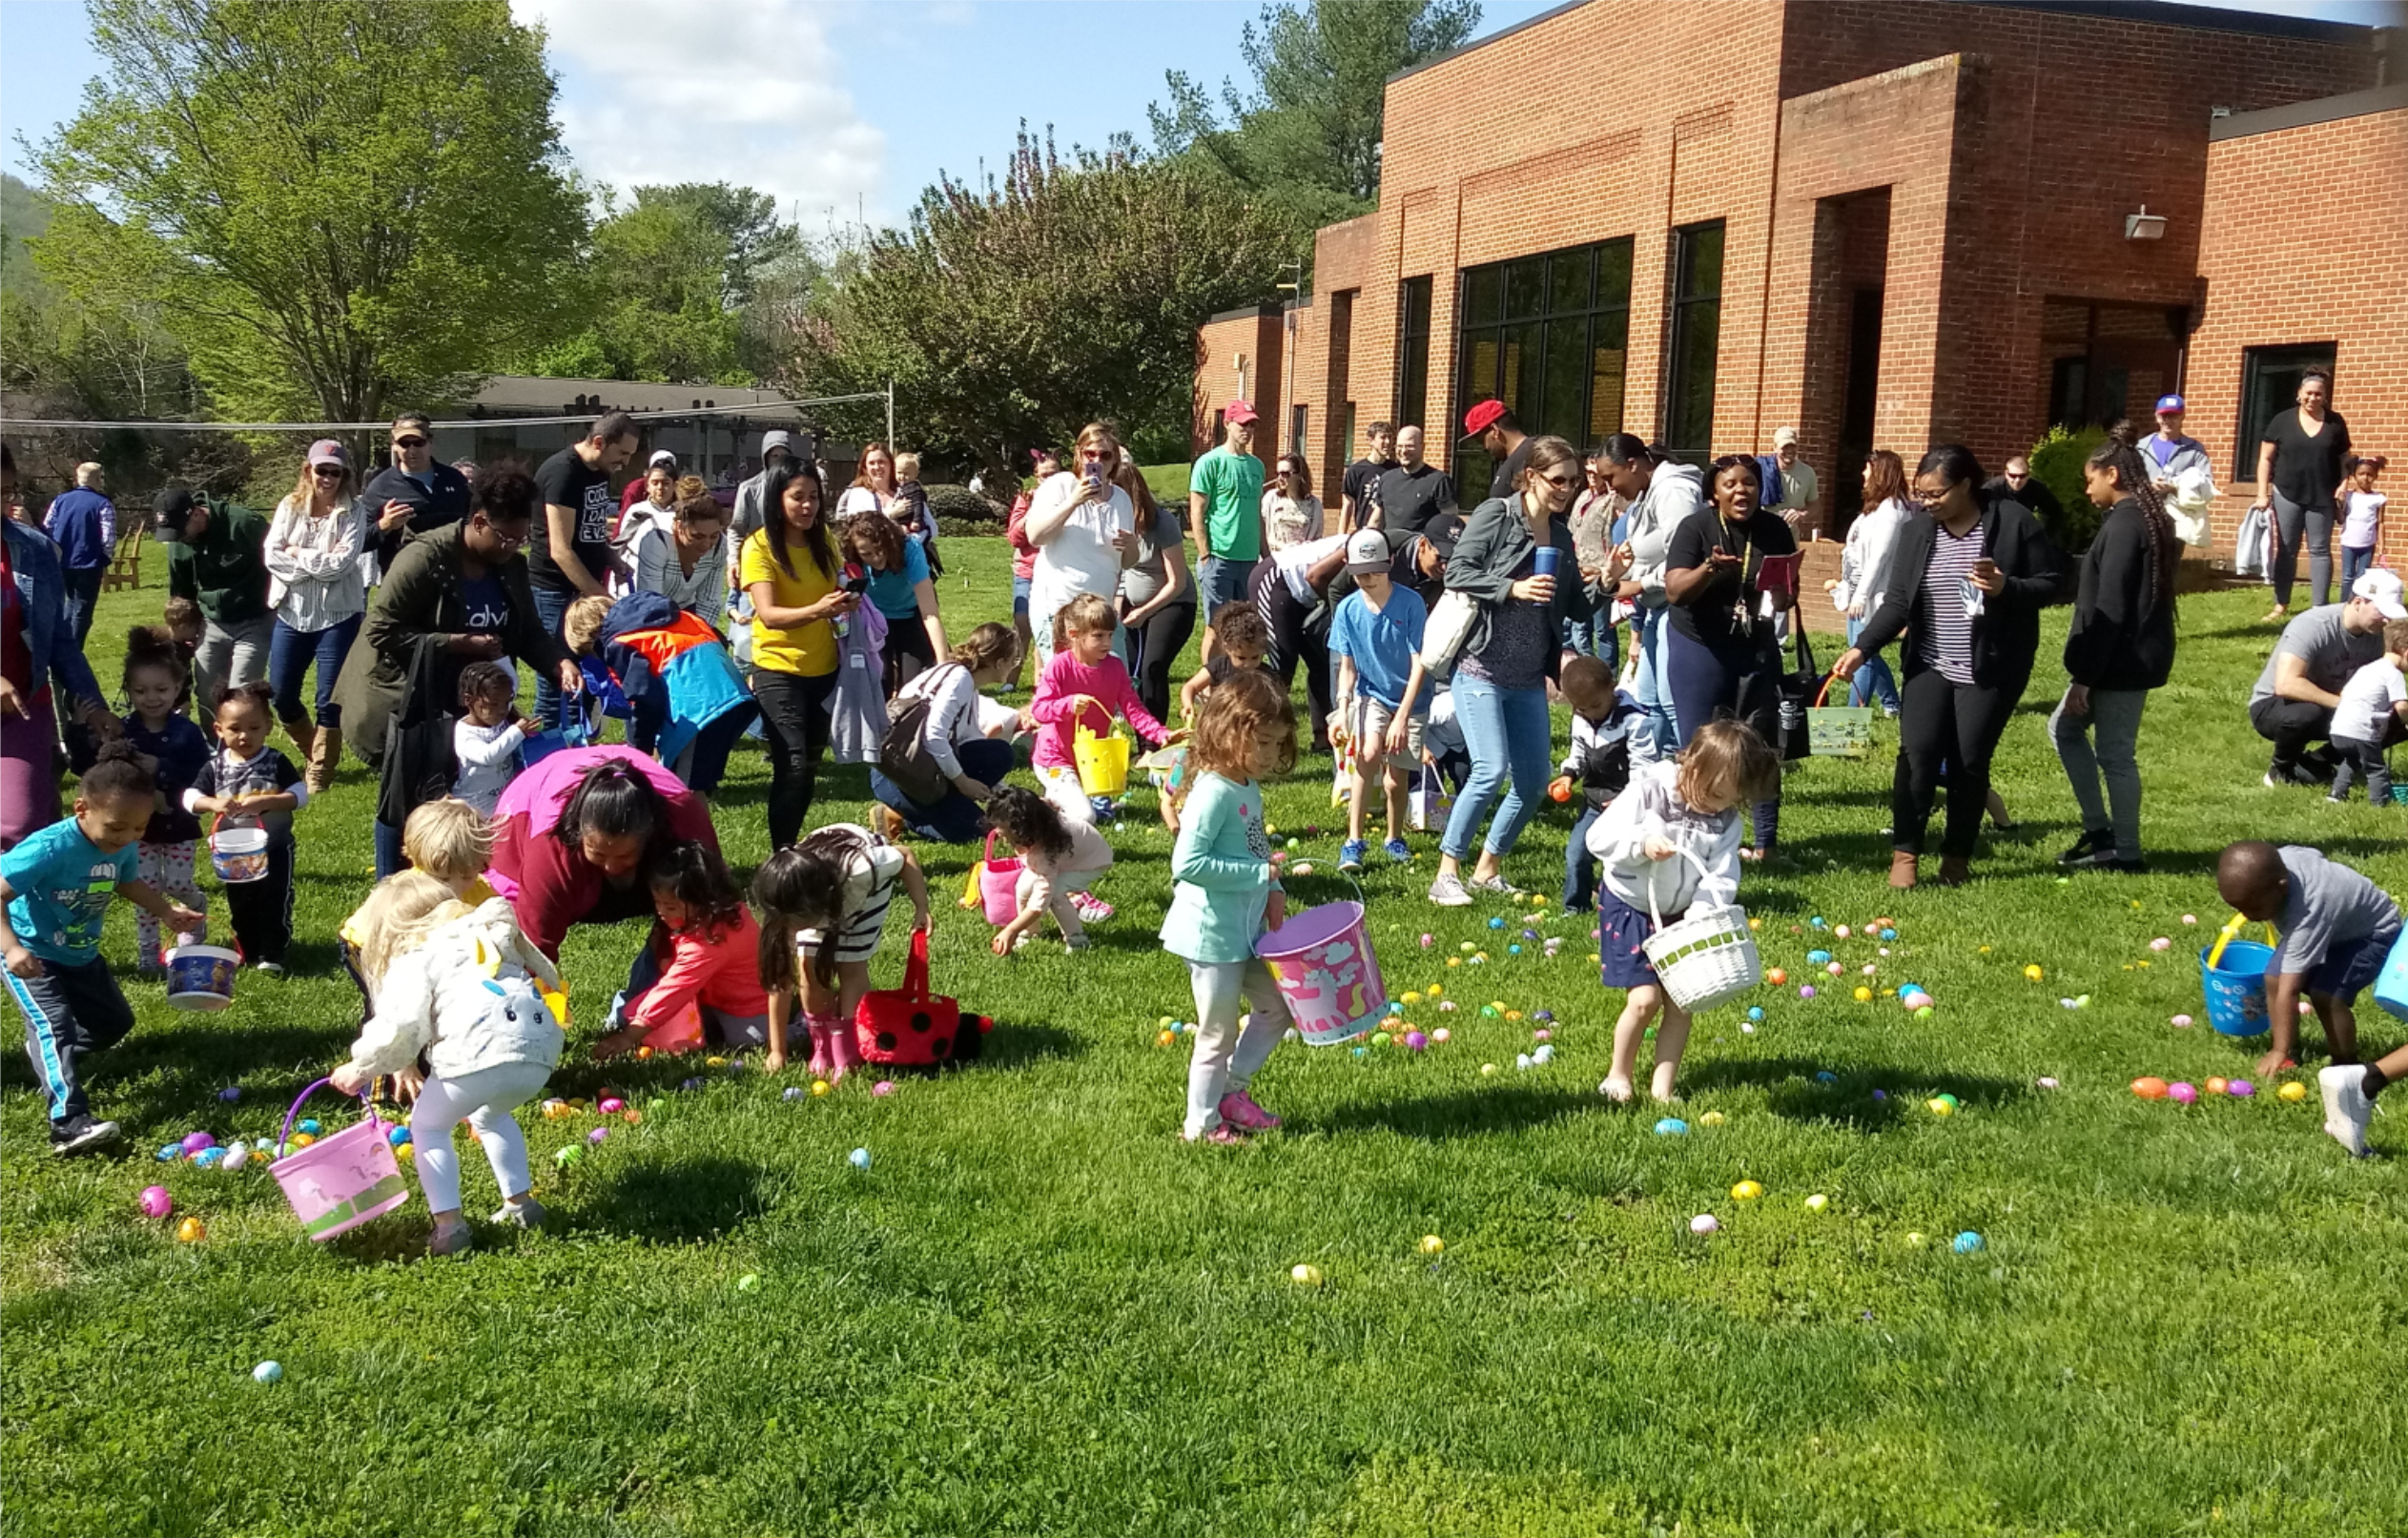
(1104, 762)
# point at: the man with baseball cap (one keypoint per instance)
(414, 493)
(1492, 425)
(1375, 635)
(1798, 483)
(1225, 507)
(2292, 705)
(2178, 466)
(217, 557)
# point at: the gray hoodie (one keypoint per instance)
(1672, 493)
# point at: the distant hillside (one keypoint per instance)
(23, 214)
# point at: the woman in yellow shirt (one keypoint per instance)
(789, 566)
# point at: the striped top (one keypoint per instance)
(1943, 629)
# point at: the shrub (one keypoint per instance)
(958, 506)
(2057, 462)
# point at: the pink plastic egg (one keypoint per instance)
(155, 1201)
(2182, 1023)
(1842, 931)
(2181, 1092)
(612, 1106)
(1834, 968)
(884, 1086)
(1425, 942)
(2161, 943)
(1542, 1033)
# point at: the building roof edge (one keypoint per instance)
(2302, 113)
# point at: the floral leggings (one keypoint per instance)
(172, 872)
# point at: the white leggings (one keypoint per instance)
(1227, 1061)
(1068, 796)
(484, 1100)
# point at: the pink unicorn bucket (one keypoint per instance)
(342, 1179)
(1322, 958)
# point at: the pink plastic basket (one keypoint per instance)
(1322, 959)
(1000, 885)
(342, 1179)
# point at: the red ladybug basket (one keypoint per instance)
(909, 1026)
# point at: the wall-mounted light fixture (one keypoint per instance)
(2144, 225)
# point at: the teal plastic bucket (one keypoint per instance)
(2391, 985)
(2236, 988)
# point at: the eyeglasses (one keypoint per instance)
(412, 441)
(1928, 492)
(1561, 482)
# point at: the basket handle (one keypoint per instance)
(286, 1135)
(916, 970)
(1824, 693)
(1655, 913)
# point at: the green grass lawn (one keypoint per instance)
(1038, 1312)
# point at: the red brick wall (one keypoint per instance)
(1217, 346)
(2306, 241)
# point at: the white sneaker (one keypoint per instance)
(2346, 1107)
(1447, 891)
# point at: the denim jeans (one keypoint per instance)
(1511, 738)
(1874, 680)
(2100, 747)
(1224, 580)
(83, 597)
(1594, 637)
(1654, 736)
(390, 860)
(290, 654)
(1580, 866)
(551, 608)
(2356, 558)
(953, 818)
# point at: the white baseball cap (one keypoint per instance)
(2381, 589)
(1783, 436)
(1366, 550)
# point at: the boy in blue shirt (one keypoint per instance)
(57, 885)
(1373, 638)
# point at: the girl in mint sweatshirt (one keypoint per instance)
(1227, 895)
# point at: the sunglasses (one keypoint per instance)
(1561, 482)
(409, 442)
(336, 471)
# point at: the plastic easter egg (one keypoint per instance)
(1381, 1038)
(1806, 992)
(1869, 969)
(398, 1137)
(2149, 1087)
(883, 1087)
(554, 1110)
(2292, 1093)
(689, 1084)
(238, 1156)
(1818, 1202)
(1864, 996)
(1496, 923)
(569, 1155)
(302, 1140)
(155, 1202)
(796, 1092)
(2045, 1082)
(1818, 957)
(1454, 961)
(1914, 1240)
(1305, 1276)
(2217, 1085)
(308, 1124)
(1756, 1012)
(2241, 1088)
(2181, 1092)
(750, 1282)
(1432, 1244)
(1522, 1062)
(1361, 1050)
(191, 1231)
(596, 1136)
(1756, 923)
(1305, 868)
(1542, 1033)
(611, 1106)
(1746, 1191)
(2161, 943)
(858, 1158)
(2191, 918)
(1442, 1033)
(196, 1141)
(644, 1055)
(1968, 1242)
(1889, 933)
(1487, 1069)
(1543, 1055)
(1671, 1127)
(171, 1153)
(1415, 1041)
(1776, 976)
(231, 1094)
(1426, 941)
(819, 1088)
(1881, 1097)
(1834, 968)
(1712, 1118)
(2033, 973)
(1941, 1107)
(1434, 990)
(1817, 921)
(1704, 1223)
(268, 1372)
(1842, 931)
(1826, 1076)
(208, 1158)
(632, 1117)
(1513, 950)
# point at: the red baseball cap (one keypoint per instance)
(1239, 412)
(1482, 417)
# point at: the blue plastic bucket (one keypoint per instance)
(201, 977)
(2391, 985)
(2236, 988)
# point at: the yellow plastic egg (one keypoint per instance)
(819, 1087)
(1305, 1276)
(1432, 1244)
(1454, 961)
(1434, 990)
(1864, 996)
(2032, 974)
(1746, 1191)
(1818, 1202)
(1412, 998)
(2293, 1091)
(302, 1140)
(715, 1062)
(1164, 1038)
(1712, 1118)
(190, 1231)
(1940, 1108)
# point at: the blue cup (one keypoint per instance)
(1547, 557)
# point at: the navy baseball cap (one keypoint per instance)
(2168, 402)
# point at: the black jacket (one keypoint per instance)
(446, 504)
(2007, 632)
(2123, 635)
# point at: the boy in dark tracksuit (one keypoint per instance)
(1599, 764)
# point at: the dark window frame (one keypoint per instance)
(1689, 306)
(1509, 306)
(1415, 299)
(2257, 407)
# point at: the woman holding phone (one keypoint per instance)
(1970, 577)
(1085, 528)
(1730, 574)
(789, 567)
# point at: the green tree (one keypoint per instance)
(1308, 136)
(1067, 291)
(339, 208)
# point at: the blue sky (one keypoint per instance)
(838, 107)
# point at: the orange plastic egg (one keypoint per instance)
(2150, 1088)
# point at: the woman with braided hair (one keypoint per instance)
(2121, 647)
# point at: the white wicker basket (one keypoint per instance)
(1707, 958)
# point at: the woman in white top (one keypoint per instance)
(873, 489)
(1085, 529)
(314, 587)
(655, 509)
(684, 557)
(1865, 569)
(969, 747)
(1291, 514)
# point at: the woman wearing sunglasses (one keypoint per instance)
(1501, 674)
(1291, 514)
(316, 592)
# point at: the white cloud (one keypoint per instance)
(747, 91)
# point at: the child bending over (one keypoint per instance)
(1060, 859)
(2336, 928)
(823, 906)
(698, 977)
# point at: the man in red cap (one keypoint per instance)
(1225, 507)
(1502, 439)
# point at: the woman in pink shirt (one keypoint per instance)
(1084, 683)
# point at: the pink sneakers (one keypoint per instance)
(1221, 1133)
(1237, 1109)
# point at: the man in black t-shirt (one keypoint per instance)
(1362, 481)
(1415, 492)
(571, 556)
(1501, 437)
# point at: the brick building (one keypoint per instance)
(1891, 222)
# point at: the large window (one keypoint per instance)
(2270, 381)
(1413, 351)
(1547, 334)
(1696, 340)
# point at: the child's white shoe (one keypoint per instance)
(2346, 1108)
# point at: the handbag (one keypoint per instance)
(1445, 633)
(1798, 697)
(903, 755)
(1837, 730)
(911, 1027)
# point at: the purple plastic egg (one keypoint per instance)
(597, 1135)
(2181, 1092)
(2240, 1088)
(196, 1141)
(231, 1094)
(1416, 1040)
(1881, 1094)
(1807, 991)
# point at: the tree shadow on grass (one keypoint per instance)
(1793, 1092)
(677, 1203)
(1460, 1114)
(1019, 1043)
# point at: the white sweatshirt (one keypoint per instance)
(1864, 559)
(1672, 493)
(466, 998)
(1651, 808)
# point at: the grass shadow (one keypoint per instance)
(1793, 1092)
(689, 1201)
(1461, 1114)
(1014, 1044)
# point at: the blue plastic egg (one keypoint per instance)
(1496, 923)
(858, 1158)
(1513, 949)
(171, 1153)
(1890, 934)
(1816, 921)
(308, 1124)
(398, 1137)
(1756, 1012)
(268, 1372)
(1968, 1242)
(1826, 1076)
(1671, 1127)
(1819, 958)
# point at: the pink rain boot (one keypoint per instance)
(820, 1061)
(844, 1048)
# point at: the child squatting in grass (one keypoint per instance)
(2336, 928)
(698, 977)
